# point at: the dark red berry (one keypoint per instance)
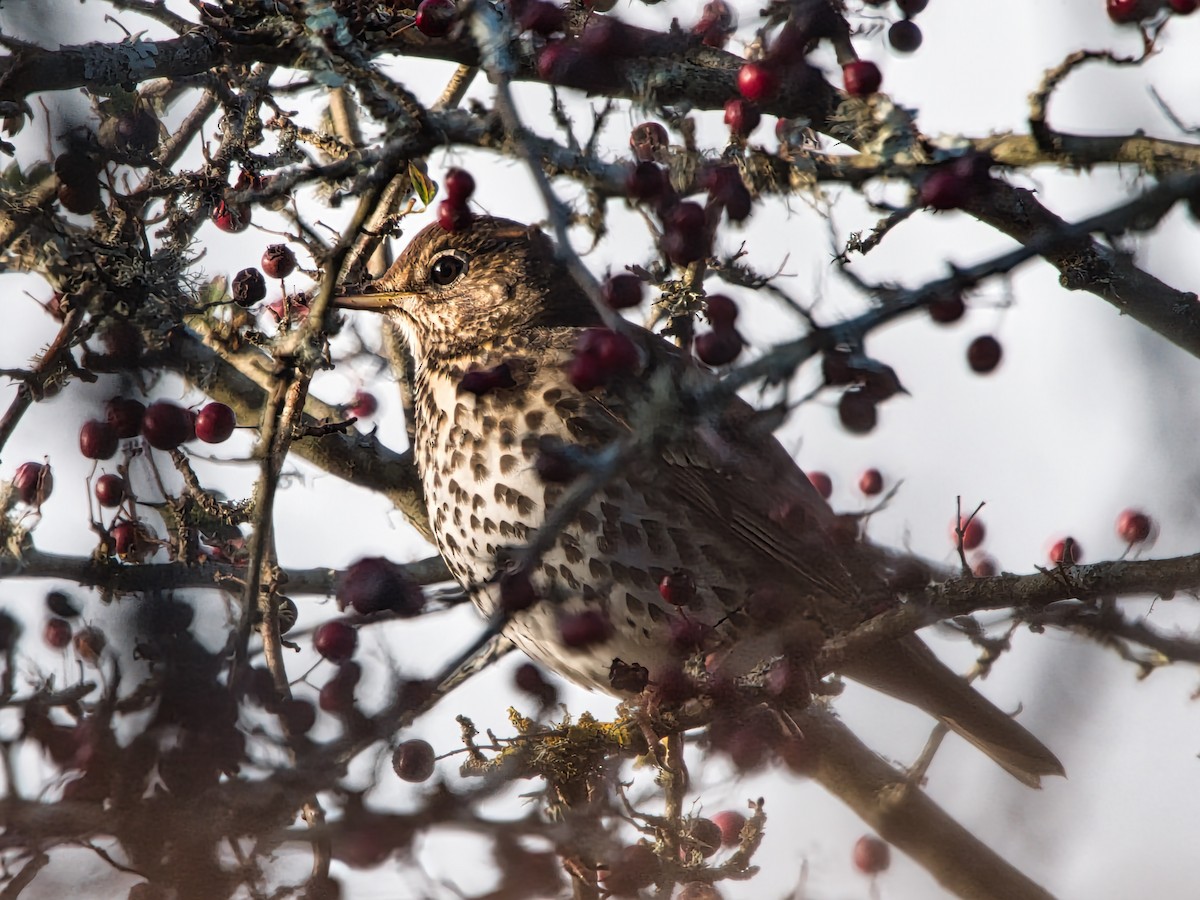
(278, 261)
(459, 185)
(945, 310)
(529, 679)
(984, 566)
(299, 716)
(984, 354)
(718, 347)
(716, 24)
(721, 311)
(434, 17)
(973, 533)
(97, 440)
(647, 139)
(110, 490)
(1184, 7)
(165, 425)
(517, 592)
(61, 604)
(861, 78)
(646, 181)
(678, 588)
(374, 584)
(125, 416)
(362, 405)
(944, 188)
(726, 188)
(706, 836)
(822, 482)
(600, 356)
(1134, 526)
(730, 824)
(905, 36)
(870, 482)
(337, 694)
(215, 423)
(871, 855)
(453, 216)
(583, 629)
(634, 868)
(622, 291)
(336, 641)
(122, 344)
(413, 761)
(125, 538)
(79, 177)
(741, 116)
(249, 287)
(685, 235)
(857, 411)
(557, 61)
(542, 18)
(911, 8)
(57, 633)
(481, 382)
(1128, 11)
(757, 82)
(33, 483)
(231, 217)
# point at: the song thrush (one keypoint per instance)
(761, 565)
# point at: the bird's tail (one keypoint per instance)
(908, 670)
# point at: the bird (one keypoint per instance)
(706, 527)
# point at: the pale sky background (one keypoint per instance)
(1089, 413)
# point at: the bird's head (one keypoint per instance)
(449, 293)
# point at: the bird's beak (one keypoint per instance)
(379, 302)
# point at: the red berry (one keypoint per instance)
(122, 344)
(1127, 11)
(434, 17)
(822, 482)
(946, 310)
(1066, 552)
(601, 355)
(685, 235)
(413, 761)
(870, 482)
(249, 287)
(1134, 526)
(857, 411)
(635, 867)
(529, 679)
(1184, 7)
(646, 181)
(583, 629)
(721, 311)
(716, 24)
(741, 116)
(299, 716)
(718, 347)
(622, 291)
(231, 217)
(453, 216)
(557, 61)
(678, 588)
(687, 635)
(905, 36)
(336, 641)
(124, 537)
(973, 533)
(757, 82)
(57, 633)
(110, 490)
(33, 483)
(337, 694)
(647, 139)
(459, 185)
(731, 823)
(215, 423)
(61, 604)
(944, 188)
(984, 566)
(871, 855)
(362, 405)
(984, 354)
(125, 416)
(374, 584)
(517, 592)
(165, 425)
(726, 188)
(481, 382)
(278, 261)
(97, 440)
(542, 17)
(861, 78)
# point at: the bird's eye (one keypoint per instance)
(447, 268)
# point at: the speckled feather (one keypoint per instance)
(721, 500)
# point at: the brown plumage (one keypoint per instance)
(717, 498)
